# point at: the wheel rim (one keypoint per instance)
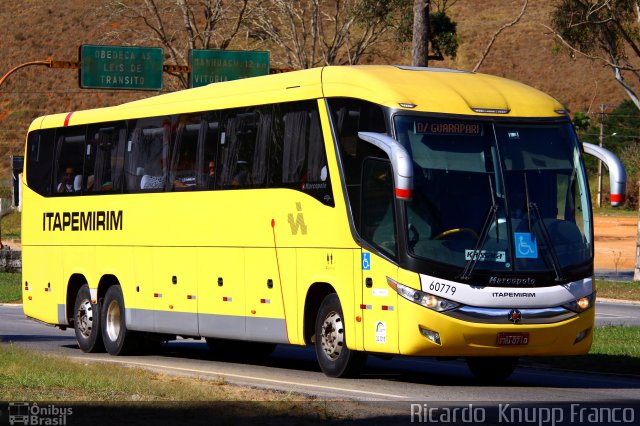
(113, 320)
(84, 318)
(332, 335)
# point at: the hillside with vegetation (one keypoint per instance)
(34, 30)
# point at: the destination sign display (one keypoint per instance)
(447, 128)
(120, 67)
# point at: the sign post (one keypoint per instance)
(120, 67)
(213, 66)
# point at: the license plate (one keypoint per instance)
(512, 339)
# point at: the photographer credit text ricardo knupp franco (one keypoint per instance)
(514, 414)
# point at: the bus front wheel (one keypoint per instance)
(117, 339)
(492, 369)
(335, 359)
(86, 322)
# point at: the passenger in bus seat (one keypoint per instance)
(241, 177)
(66, 185)
(211, 176)
(154, 177)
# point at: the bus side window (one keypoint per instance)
(184, 153)
(264, 135)
(40, 149)
(147, 155)
(298, 158)
(237, 144)
(378, 218)
(207, 151)
(350, 116)
(104, 158)
(69, 160)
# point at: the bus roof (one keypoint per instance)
(434, 90)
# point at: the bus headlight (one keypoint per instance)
(582, 304)
(427, 300)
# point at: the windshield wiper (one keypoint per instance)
(547, 240)
(482, 238)
(544, 231)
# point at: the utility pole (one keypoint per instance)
(599, 199)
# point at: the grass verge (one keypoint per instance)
(607, 210)
(28, 375)
(615, 349)
(10, 289)
(11, 226)
(621, 290)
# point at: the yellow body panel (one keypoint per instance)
(241, 261)
(380, 313)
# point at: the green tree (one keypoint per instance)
(581, 121)
(622, 127)
(606, 31)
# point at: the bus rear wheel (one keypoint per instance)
(117, 339)
(334, 357)
(86, 322)
(492, 369)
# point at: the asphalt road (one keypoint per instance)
(609, 312)
(397, 382)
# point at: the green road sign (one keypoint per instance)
(213, 66)
(120, 67)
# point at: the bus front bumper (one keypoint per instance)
(424, 332)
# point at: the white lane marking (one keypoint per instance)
(611, 316)
(240, 376)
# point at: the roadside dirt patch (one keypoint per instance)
(615, 242)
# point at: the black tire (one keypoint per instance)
(117, 339)
(86, 322)
(335, 359)
(237, 350)
(492, 369)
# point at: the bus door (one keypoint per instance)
(378, 229)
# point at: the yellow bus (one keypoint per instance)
(364, 210)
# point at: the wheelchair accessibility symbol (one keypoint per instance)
(366, 261)
(526, 247)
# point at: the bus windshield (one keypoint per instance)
(496, 196)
